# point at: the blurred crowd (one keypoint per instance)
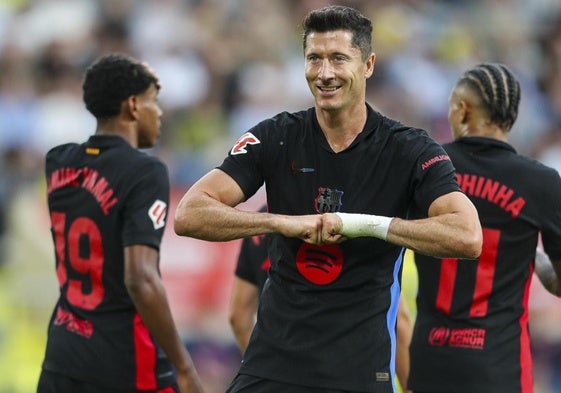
(226, 64)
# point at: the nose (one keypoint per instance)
(326, 70)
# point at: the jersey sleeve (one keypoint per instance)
(244, 162)
(146, 205)
(434, 176)
(246, 266)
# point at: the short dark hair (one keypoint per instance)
(113, 78)
(498, 89)
(337, 17)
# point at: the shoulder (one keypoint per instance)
(285, 121)
(403, 133)
(147, 162)
(408, 140)
(285, 127)
(537, 178)
(62, 150)
(543, 172)
(538, 165)
(137, 166)
(61, 155)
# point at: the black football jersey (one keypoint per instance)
(471, 332)
(103, 195)
(327, 314)
(253, 261)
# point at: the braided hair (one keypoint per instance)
(498, 90)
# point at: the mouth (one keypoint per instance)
(328, 89)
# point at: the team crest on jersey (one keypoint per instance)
(328, 200)
(157, 213)
(240, 146)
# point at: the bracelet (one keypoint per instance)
(358, 225)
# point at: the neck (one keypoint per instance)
(341, 128)
(115, 127)
(493, 132)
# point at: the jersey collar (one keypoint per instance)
(482, 142)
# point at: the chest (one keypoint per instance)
(310, 178)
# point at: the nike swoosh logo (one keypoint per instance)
(295, 169)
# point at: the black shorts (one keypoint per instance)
(50, 382)
(243, 383)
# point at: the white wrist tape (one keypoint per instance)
(358, 225)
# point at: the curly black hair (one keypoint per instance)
(113, 78)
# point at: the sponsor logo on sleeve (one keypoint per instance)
(157, 213)
(443, 157)
(246, 139)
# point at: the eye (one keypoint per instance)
(313, 58)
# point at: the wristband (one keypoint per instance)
(358, 225)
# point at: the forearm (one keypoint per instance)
(242, 331)
(151, 303)
(207, 211)
(452, 228)
(243, 309)
(447, 235)
(404, 334)
(208, 219)
(547, 273)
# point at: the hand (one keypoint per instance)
(306, 228)
(189, 382)
(331, 228)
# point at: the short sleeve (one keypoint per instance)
(434, 176)
(243, 162)
(146, 205)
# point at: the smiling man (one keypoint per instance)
(348, 189)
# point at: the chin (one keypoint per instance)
(327, 105)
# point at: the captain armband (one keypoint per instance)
(359, 225)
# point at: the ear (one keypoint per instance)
(369, 65)
(130, 106)
(465, 111)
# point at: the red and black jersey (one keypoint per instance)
(103, 195)
(327, 314)
(471, 332)
(253, 261)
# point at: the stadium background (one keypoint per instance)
(224, 65)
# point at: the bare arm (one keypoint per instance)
(207, 212)
(243, 308)
(145, 288)
(452, 229)
(404, 333)
(548, 271)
